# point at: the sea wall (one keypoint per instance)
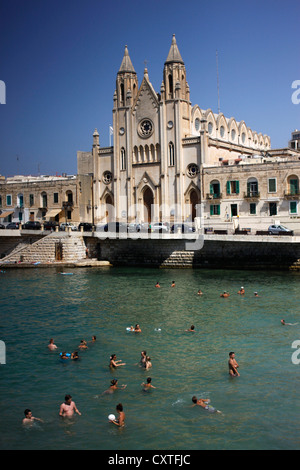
(234, 252)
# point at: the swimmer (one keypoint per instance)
(121, 420)
(283, 322)
(63, 355)
(114, 386)
(68, 408)
(157, 285)
(241, 291)
(204, 404)
(225, 294)
(51, 345)
(192, 328)
(143, 358)
(93, 338)
(173, 284)
(113, 364)
(83, 344)
(199, 292)
(233, 365)
(147, 385)
(74, 355)
(137, 328)
(148, 363)
(256, 294)
(29, 419)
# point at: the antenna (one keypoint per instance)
(218, 85)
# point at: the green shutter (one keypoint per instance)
(228, 187)
(218, 209)
(211, 189)
(237, 186)
(211, 209)
(293, 207)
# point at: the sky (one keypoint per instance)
(59, 61)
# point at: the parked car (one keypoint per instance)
(132, 228)
(65, 225)
(279, 230)
(160, 227)
(183, 228)
(50, 225)
(115, 227)
(32, 225)
(87, 227)
(2, 226)
(13, 225)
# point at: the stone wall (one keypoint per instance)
(51, 248)
(219, 252)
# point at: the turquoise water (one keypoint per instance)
(260, 409)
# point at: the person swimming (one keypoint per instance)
(147, 386)
(113, 364)
(114, 386)
(204, 403)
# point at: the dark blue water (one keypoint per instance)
(260, 409)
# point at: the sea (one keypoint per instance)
(259, 410)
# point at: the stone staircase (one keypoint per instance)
(71, 249)
(179, 259)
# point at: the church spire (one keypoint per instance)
(126, 65)
(174, 54)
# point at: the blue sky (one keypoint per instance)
(59, 61)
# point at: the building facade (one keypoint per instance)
(161, 144)
(41, 198)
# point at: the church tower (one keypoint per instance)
(175, 98)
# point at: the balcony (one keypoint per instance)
(292, 194)
(214, 196)
(252, 195)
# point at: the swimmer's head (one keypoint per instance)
(194, 399)
(114, 382)
(148, 380)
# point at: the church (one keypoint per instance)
(162, 143)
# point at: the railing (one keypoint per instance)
(214, 196)
(251, 194)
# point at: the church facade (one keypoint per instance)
(161, 145)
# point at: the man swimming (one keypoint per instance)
(29, 419)
(204, 403)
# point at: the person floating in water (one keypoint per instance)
(173, 284)
(199, 292)
(68, 408)
(121, 420)
(29, 419)
(241, 291)
(204, 403)
(114, 386)
(137, 328)
(157, 284)
(147, 386)
(283, 322)
(233, 365)
(83, 344)
(191, 328)
(225, 294)
(256, 294)
(113, 363)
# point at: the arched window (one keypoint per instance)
(171, 154)
(170, 86)
(122, 93)
(123, 159)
